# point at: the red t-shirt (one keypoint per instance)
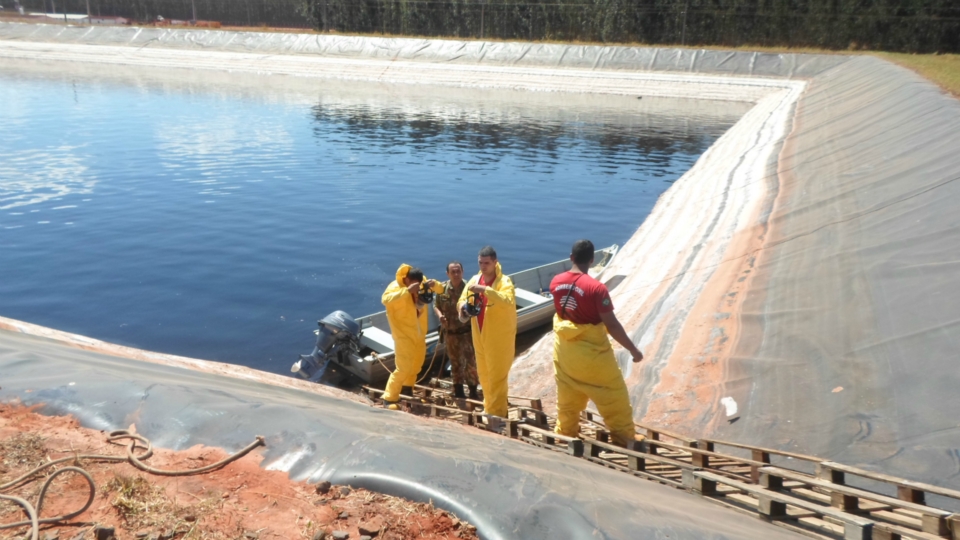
(588, 299)
(482, 300)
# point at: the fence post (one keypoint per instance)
(482, 6)
(683, 33)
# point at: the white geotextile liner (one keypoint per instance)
(851, 331)
(397, 72)
(438, 51)
(506, 488)
(825, 302)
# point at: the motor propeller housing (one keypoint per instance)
(337, 337)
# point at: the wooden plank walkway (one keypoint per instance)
(799, 492)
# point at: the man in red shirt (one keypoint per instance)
(583, 360)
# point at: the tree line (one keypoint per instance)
(278, 13)
(890, 25)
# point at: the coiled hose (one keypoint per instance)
(33, 510)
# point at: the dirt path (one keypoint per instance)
(240, 501)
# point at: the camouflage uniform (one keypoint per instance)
(459, 342)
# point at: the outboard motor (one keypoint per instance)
(338, 336)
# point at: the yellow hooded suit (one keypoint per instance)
(586, 368)
(409, 329)
(495, 345)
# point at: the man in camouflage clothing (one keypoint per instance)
(459, 342)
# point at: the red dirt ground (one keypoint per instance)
(238, 501)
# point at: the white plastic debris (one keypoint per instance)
(730, 404)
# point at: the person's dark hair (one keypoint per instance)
(451, 263)
(488, 251)
(582, 252)
(415, 274)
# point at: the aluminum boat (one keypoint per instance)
(370, 358)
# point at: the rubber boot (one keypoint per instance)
(638, 444)
(458, 391)
(473, 393)
(406, 391)
(392, 405)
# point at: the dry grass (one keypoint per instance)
(20, 452)
(139, 503)
(943, 69)
(145, 506)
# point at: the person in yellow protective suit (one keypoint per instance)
(408, 327)
(583, 360)
(494, 329)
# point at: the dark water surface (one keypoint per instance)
(220, 218)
